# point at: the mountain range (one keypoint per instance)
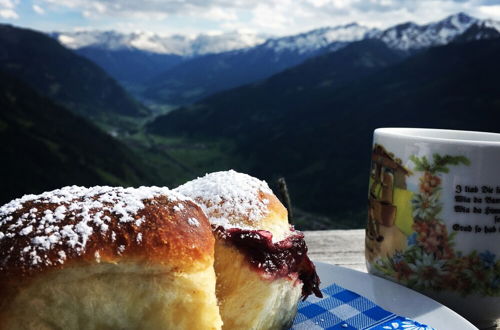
(58, 73)
(205, 75)
(313, 123)
(403, 36)
(183, 79)
(199, 77)
(134, 58)
(410, 36)
(180, 45)
(302, 107)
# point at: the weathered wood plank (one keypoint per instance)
(339, 247)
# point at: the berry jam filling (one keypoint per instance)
(275, 260)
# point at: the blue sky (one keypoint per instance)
(272, 17)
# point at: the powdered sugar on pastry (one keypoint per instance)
(61, 221)
(236, 200)
(228, 195)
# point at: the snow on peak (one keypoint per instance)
(489, 23)
(411, 36)
(319, 38)
(406, 36)
(151, 42)
(209, 44)
(79, 39)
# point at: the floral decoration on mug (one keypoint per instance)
(422, 256)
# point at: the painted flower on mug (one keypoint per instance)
(433, 238)
(427, 270)
(429, 183)
(398, 256)
(403, 271)
(425, 205)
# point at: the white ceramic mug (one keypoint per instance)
(434, 216)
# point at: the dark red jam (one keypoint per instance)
(275, 260)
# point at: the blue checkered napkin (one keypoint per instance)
(343, 309)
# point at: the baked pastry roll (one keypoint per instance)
(261, 262)
(106, 258)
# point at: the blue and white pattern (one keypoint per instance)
(343, 309)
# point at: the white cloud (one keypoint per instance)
(39, 10)
(7, 9)
(155, 7)
(7, 4)
(8, 14)
(270, 17)
(224, 14)
(490, 11)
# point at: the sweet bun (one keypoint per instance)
(106, 258)
(260, 260)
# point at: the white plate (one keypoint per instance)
(393, 297)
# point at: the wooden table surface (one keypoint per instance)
(339, 247)
(344, 248)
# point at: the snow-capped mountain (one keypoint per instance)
(180, 69)
(154, 43)
(490, 24)
(319, 38)
(407, 36)
(211, 44)
(411, 36)
(200, 76)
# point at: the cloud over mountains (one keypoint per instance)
(278, 17)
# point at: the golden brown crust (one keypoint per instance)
(175, 233)
(167, 231)
(277, 213)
